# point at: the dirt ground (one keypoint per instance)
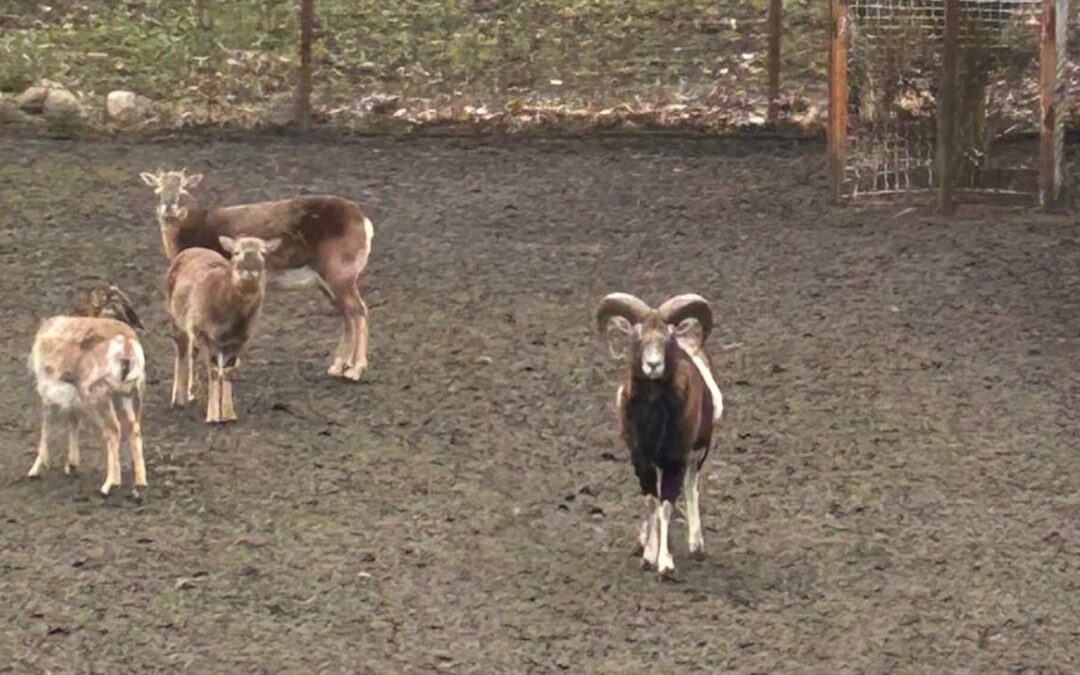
(895, 488)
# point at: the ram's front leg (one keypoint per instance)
(213, 391)
(225, 369)
(650, 534)
(691, 488)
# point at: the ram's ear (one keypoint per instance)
(690, 335)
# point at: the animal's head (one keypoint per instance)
(655, 334)
(110, 303)
(247, 255)
(170, 187)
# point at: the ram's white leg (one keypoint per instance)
(695, 537)
(665, 564)
(649, 534)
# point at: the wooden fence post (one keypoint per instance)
(303, 82)
(1052, 87)
(838, 95)
(775, 13)
(946, 112)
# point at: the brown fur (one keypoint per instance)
(91, 367)
(214, 313)
(666, 410)
(326, 233)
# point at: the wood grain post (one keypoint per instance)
(1052, 88)
(946, 112)
(303, 81)
(838, 95)
(776, 8)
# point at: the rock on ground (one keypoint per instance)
(33, 99)
(126, 106)
(61, 105)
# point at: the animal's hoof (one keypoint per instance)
(71, 469)
(138, 493)
(336, 369)
(647, 564)
(353, 373)
(105, 490)
(33, 475)
(666, 567)
(698, 554)
(667, 574)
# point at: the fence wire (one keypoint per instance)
(894, 61)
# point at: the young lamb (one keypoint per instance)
(668, 405)
(213, 302)
(93, 366)
(326, 240)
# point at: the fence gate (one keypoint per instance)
(945, 97)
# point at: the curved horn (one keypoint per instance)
(620, 304)
(126, 308)
(688, 306)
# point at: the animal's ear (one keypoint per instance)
(150, 179)
(229, 244)
(690, 335)
(619, 334)
(193, 180)
(271, 245)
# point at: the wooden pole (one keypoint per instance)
(303, 82)
(838, 95)
(946, 140)
(1052, 85)
(775, 14)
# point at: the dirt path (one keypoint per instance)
(895, 487)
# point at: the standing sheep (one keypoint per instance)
(668, 405)
(213, 302)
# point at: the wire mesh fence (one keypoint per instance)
(894, 60)
(646, 62)
(701, 64)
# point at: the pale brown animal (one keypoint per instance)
(326, 240)
(668, 405)
(213, 302)
(93, 367)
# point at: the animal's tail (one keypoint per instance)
(127, 360)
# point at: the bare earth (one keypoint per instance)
(895, 488)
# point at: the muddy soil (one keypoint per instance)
(894, 488)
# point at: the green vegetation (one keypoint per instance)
(229, 61)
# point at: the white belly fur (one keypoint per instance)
(293, 279)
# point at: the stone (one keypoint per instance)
(33, 99)
(126, 106)
(61, 105)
